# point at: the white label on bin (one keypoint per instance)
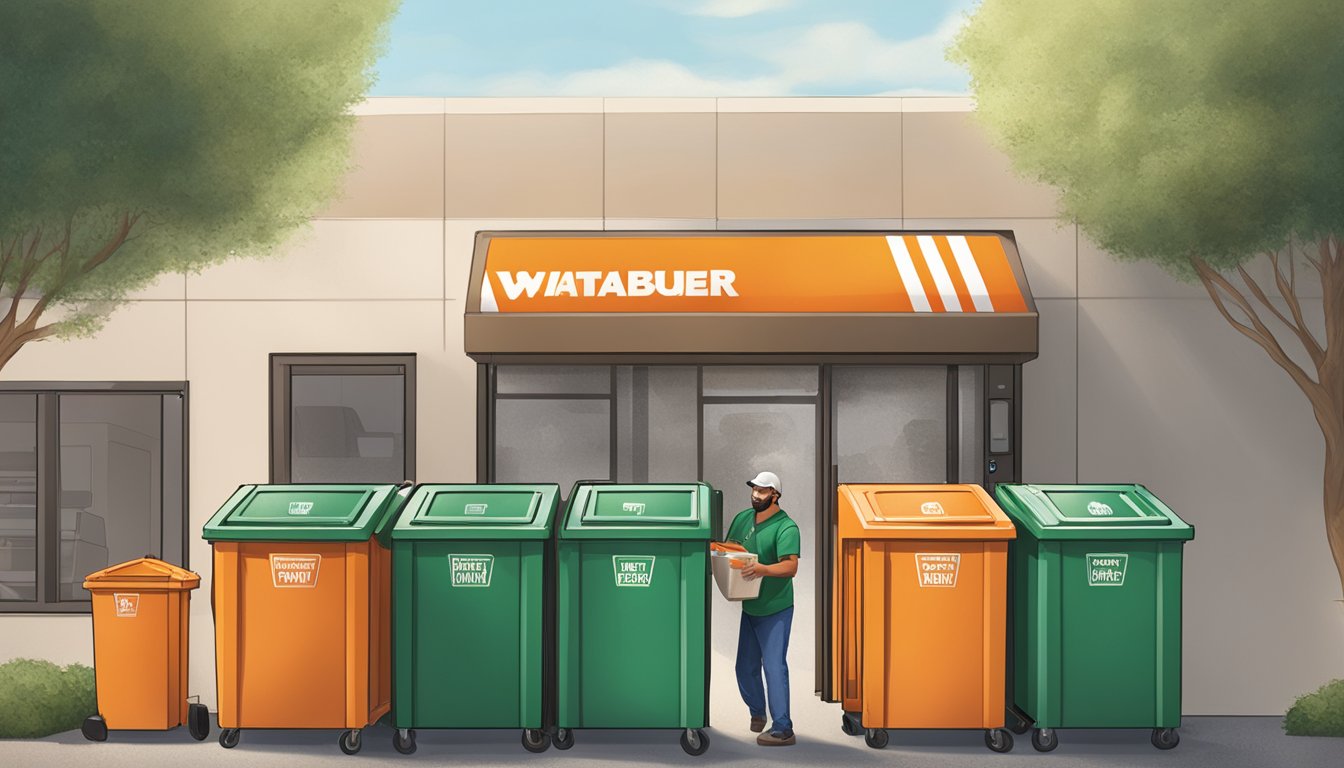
(633, 570)
(471, 570)
(1100, 509)
(128, 604)
(633, 506)
(931, 508)
(300, 507)
(475, 509)
(295, 571)
(1107, 569)
(938, 569)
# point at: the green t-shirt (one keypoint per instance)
(775, 538)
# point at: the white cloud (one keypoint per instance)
(736, 9)
(636, 77)
(851, 52)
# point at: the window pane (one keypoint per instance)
(553, 380)
(18, 497)
(552, 441)
(347, 429)
(891, 424)
(738, 380)
(656, 417)
(111, 505)
(971, 395)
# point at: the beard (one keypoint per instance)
(760, 505)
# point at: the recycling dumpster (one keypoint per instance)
(302, 593)
(633, 610)
(919, 621)
(471, 570)
(140, 618)
(1096, 606)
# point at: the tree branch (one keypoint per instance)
(1298, 326)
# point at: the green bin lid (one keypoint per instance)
(318, 512)
(675, 512)
(1112, 512)
(450, 512)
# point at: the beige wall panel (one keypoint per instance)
(951, 170)
(1049, 250)
(809, 166)
(398, 170)
(142, 341)
(503, 166)
(1050, 398)
(1171, 397)
(1101, 275)
(660, 165)
(446, 423)
(349, 259)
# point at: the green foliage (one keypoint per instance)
(1200, 127)
(224, 124)
(38, 698)
(1318, 714)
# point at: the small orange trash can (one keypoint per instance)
(920, 610)
(140, 649)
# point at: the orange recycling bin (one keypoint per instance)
(140, 649)
(920, 596)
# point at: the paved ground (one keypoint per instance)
(1206, 742)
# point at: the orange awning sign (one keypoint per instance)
(917, 273)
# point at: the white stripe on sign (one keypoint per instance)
(970, 272)
(940, 277)
(488, 303)
(909, 275)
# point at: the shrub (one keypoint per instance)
(1318, 714)
(38, 698)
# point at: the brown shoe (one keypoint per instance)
(757, 724)
(776, 739)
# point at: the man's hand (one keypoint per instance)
(786, 568)
(754, 570)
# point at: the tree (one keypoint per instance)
(1198, 135)
(139, 137)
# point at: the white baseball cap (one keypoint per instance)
(766, 480)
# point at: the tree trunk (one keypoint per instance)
(1334, 504)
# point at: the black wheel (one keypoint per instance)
(198, 721)
(695, 742)
(1016, 723)
(1044, 739)
(536, 740)
(850, 726)
(876, 738)
(999, 740)
(404, 745)
(1166, 738)
(228, 737)
(563, 738)
(350, 742)
(94, 728)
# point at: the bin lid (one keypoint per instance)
(939, 512)
(1091, 512)
(451, 512)
(143, 574)
(309, 512)
(671, 511)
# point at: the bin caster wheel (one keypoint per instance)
(850, 725)
(694, 741)
(563, 738)
(403, 740)
(536, 740)
(876, 738)
(228, 738)
(999, 740)
(94, 728)
(1044, 739)
(350, 742)
(1166, 738)
(1017, 723)
(198, 721)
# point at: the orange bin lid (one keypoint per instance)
(874, 511)
(145, 574)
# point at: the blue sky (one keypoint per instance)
(672, 48)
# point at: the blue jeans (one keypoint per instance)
(763, 643)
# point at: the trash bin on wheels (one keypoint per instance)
(920, 609)
(140, 624)
(472, 620)
(633, 610)
(1096, 604)
(302, 593)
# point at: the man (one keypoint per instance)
(763, 640)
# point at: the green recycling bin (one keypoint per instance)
(1096, 610)
(633, 610)
(470, 612)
